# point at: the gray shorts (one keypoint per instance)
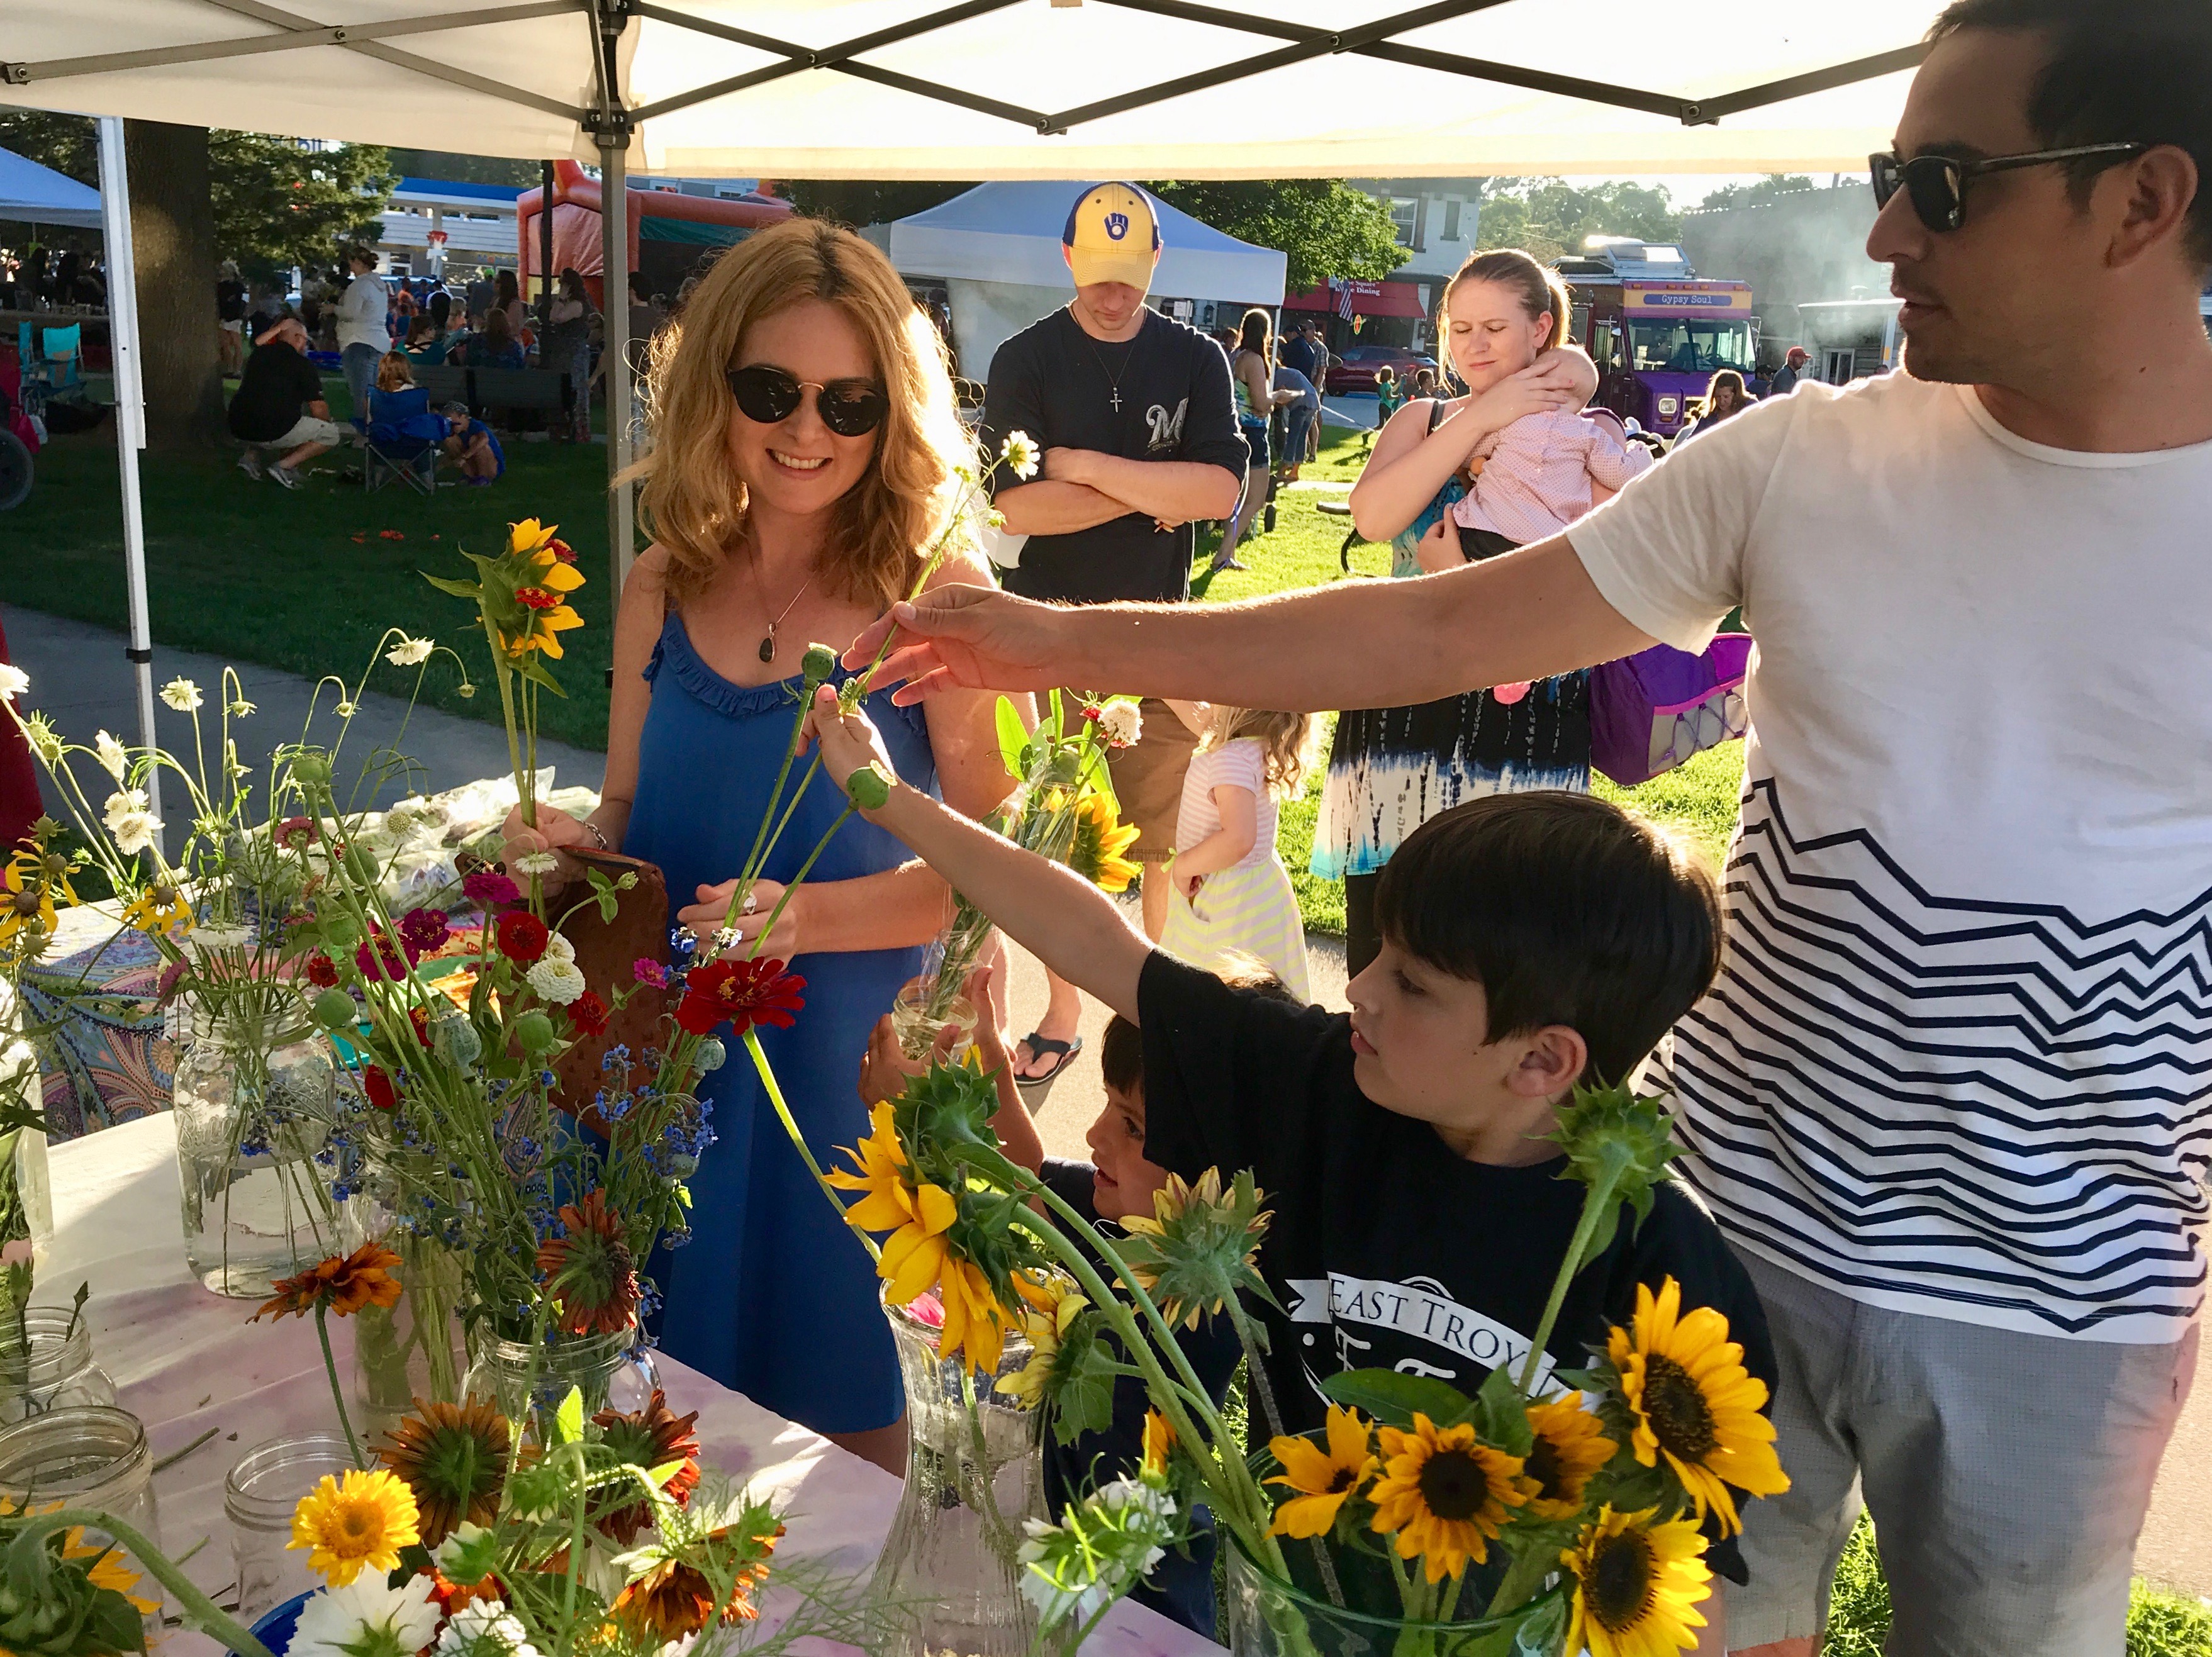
(308, 429)
(2008, 1475)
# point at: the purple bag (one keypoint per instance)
(1651, 710)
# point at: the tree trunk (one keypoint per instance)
(172, 237)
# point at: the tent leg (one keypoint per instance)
(613, 226)
(129, 421)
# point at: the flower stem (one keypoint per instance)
(337, 1392)
(200, 1613)
(500, 673)
(798, 1140)
(798, 879)
(1595, 1203)
(1256, 1376)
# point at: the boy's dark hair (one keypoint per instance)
(1566, 910)
(1121, 1049)
(2132, 71)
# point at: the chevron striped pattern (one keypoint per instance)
(1989, 1112)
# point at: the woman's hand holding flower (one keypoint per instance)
(705, 917)
(557, 832)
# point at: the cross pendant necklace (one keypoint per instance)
(1113, 379)
(1117, 399)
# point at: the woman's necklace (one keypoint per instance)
(767, 639)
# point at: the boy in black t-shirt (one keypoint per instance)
(1530, 942)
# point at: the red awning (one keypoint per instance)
(1368, 299)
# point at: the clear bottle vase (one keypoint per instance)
(412, 1350)
(613, 1372)
(948, 1583)
(252, 1125)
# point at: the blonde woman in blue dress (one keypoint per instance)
(1232, 896)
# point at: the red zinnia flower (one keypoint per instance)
(521, 936)
(746, 992)
(421, 1021)
(377, 1082)
(322, 971)
(425, 929)
(589, 1014)
(537, 597)
(395, 965)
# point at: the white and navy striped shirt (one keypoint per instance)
(1959, 1061)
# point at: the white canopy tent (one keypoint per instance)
(32, 194)
(989, 89)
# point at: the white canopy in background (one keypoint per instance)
(1011, 233)
(1008, 88)
(39, 195)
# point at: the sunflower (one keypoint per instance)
(1100, 840)
(363, 1522)
(975, 1323)
(883, 1175)
(1444, 1493)
(1693, 1401)
(343, 1283)
(161, 908)
(540, 630)
(652, 1437)
(1324, 1479)
(1570, 1446)
(107, 1570)
(453, 1458)
(1045, 1325)
(1200, 1245)
(529, 536)
(674, 1599)
(1159, 1439)
(27, 897)
(1636, 1586)
(591, 1269)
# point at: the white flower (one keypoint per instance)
(1122, 723)
(182, 695)
(557, 980)
(14, 681)
(1019, 454)
(558, 948)
(407, 652)
(209, 938)
(367, 1619)
(110, 754)
(536, 862)
(485, 1628)
(132, 826)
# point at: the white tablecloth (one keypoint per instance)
(185, 1360)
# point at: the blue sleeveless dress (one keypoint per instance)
(774, 1296)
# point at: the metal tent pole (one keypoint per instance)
(614, 224)
(130, 420)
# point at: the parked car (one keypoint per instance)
(1355, 373)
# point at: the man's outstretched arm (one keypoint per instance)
(1368, 644)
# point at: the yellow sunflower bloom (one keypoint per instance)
(1159, 1439)
(542, 631)
(975, 1322)
(1045, 1326)
(916, 1256)
(1570, 1446)
(1444, 1493)
(160, 909)
(109, 1571)
(1100, 840)
(1324, 1479)
(363, 1522)
(555, 576)
(883, 1174)
(1636, 1585)
(1694, 1403)
(529, 535)
(26, 897)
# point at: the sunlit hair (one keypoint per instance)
(693, 501)
(1732, 382)
(1539, 289)
(1252, 336)
(1287, 739)
(393, 373)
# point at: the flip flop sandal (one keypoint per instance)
(1063, 1052)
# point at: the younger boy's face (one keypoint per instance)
(1124, 1183)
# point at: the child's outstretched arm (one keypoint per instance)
(1061, 917)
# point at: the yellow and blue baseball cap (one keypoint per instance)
(1112, 235)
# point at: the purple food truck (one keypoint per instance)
(1656, 330)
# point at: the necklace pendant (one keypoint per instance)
(1117, 399)
(768, 646)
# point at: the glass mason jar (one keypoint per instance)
(948, 1581)
(89, 1457)
(47, 1363)
(259, 1495)
(613, 1372)
(1270, 1618)
(251, 1123)
(932, 1001)
(413, 1348)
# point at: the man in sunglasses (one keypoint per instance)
(1138, 425)
(1949, 1097)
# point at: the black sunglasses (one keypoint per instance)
(850, 408)
(1937, 184)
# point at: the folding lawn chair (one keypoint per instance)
(412, 462)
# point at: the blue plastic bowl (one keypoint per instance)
(274, 1627)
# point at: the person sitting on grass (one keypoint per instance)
(279, 405)
(1531, 943)
(471, 445)
(1119, 1186)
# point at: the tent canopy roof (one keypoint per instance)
(39, 195)
(1011, 233)
(1009, 89)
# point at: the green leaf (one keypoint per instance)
(1500, 1414)
(1084, 1401)
(568, 1420)
(1394, 1399)
(604, 890)
(468, 590)
(1049, 727)
(1012, 739)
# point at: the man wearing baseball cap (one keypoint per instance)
(1138, 425)
(1785, 377)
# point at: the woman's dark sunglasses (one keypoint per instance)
(1937, 184)
(850, 408)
